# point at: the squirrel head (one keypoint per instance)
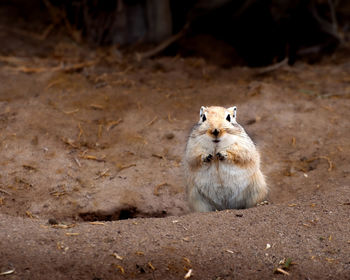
(216, 121)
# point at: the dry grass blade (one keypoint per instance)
(5, 192)
(102, 174)
(91, 157)
(169, 118)
(29, 214)
(70, 68)
(280, 270)
(96, 106)
(117, 256)
(77, 162)
(293, 141)
(81, 131)
(152, 121)
(72, 233)
(50, 85)
(75, 67)
(112, 124)
(97, 223)
(63, 226)
(99, 133)
(273, 67)
(188, 274)
(58, 193)
(121, 269)
(330, 163)
(71, 111)
(7, 272)
(30, 70)
(121, 166)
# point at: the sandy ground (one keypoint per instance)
(92, 186)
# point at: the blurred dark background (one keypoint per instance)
(225, 32)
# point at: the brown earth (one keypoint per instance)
(88, 136)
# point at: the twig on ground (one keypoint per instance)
(273, 67)
(162, 46)
(158, 156)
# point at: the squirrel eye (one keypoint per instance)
(228, 118)
(204, 118)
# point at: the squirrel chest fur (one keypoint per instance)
(222, 164)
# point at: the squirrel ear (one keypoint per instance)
(202, 110)
(233, 110)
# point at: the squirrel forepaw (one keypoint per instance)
(207, 158)
(221, 155)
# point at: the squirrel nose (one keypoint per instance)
(215, 132)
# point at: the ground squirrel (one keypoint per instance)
(222, 164)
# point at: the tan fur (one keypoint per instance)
(222, 164)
